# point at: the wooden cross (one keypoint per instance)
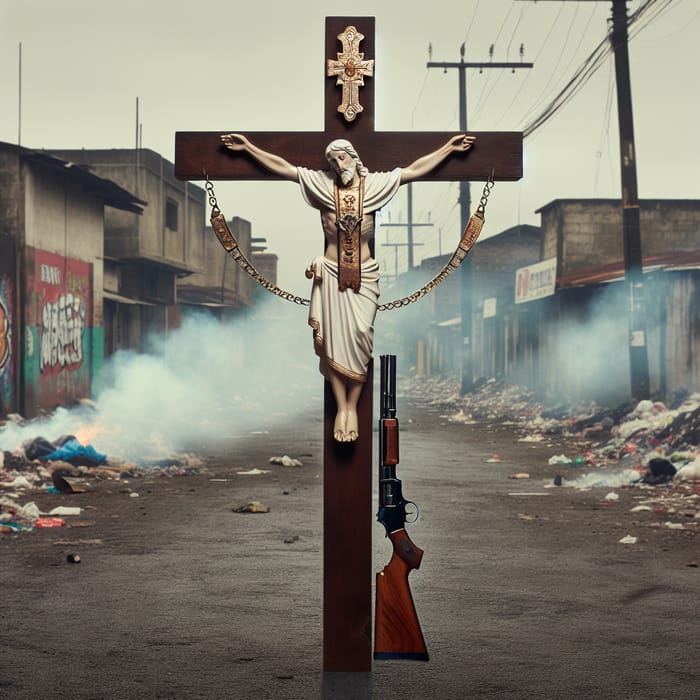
(347, 471)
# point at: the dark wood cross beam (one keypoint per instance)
(347, 473)
(380, 150)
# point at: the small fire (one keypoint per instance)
(86, 433)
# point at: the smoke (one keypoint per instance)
(204, 384)
(584, 352)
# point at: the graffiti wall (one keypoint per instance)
(8, 354)
(58, 331)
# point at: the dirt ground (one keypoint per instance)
(526, 590)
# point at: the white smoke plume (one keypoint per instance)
(199, 386)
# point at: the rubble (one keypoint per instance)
(40, 465)
(286, 461)
(643, 445)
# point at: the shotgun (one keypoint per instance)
(397, 632)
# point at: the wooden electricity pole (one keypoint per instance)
(409, 225)
(631, 232)
(465, 209)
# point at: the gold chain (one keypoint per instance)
(228, 240)
(471, 233)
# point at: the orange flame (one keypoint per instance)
(86, 433)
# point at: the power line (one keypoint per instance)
(591, 65)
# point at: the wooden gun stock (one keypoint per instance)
(397, 632)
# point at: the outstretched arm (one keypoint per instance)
(423, 165)
(274, 163)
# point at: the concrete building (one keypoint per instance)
(550, 306)
(52, 218)
(145, 256)
(222, 287)
(589, 312)
(433, 326)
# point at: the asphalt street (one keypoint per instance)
(525, 591)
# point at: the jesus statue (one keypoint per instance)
(345, 292)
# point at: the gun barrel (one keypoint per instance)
(388, 385)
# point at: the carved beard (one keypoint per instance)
(348, 174)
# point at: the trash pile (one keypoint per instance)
(40, 465)
(647, 447)
(647, 441)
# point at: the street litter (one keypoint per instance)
(461, 417)
(628, 539)
(602, 479)
(493, 459)
(612, 496)
(559, 459)
(60, 483)
(19, 482)
(66, 448)
(252, 507)
(519, 475)
(659, 471)
(47, 521)
(253, 472)
(286, 461)
(689, 472)
(528, 493)
(65, 510)
(73, 543)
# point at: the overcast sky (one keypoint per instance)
(228, 65)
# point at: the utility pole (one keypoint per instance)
(410, 225)
(465, 205)
(631, 230)
(632, 239)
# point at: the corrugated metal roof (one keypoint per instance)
(112, 194)
(614, 272)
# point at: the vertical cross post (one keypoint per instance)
(347, 467)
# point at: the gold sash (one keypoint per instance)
(348, 217)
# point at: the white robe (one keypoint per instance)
(343, 322)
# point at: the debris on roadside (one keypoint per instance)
(252, 507)
(645, 448)
(286, 461)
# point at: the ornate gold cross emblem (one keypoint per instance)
(351, 69)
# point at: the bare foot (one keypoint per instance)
(339, 426)
(351, 426)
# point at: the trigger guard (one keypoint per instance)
(412, 517)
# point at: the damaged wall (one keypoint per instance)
(51, 278)
(62, 268)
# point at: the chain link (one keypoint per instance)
(455, 261)
(243, 262)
